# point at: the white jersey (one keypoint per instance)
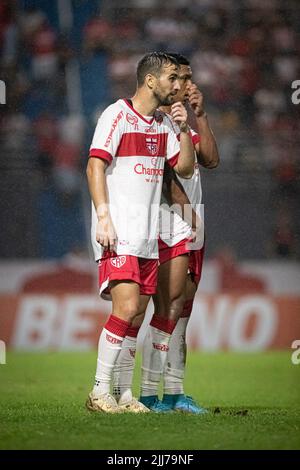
(173, 228)
(135, 148)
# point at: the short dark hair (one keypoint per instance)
(181, 59)
(153, 63)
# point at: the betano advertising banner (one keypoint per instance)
(245, 307)
(73, 322)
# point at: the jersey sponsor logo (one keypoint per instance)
(118, 262)
(150, 130)
(140, 169)
(113, 128)
(112, 340)
(152, 146)
(133, 120)
(161, 347)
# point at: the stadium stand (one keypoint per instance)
(68, 60)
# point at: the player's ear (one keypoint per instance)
(150, 81)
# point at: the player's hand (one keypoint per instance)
(179, 114)
(105, 233)
(196, 100)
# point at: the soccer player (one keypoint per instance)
(131, 142)
(164, 349)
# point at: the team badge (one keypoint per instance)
(118, 262)
(151, 144)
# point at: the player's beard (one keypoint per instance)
(164, 100)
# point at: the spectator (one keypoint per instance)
(284, 240)
(44, 53)
(97, 35)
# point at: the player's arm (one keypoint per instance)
(105, 232)
(185, 163)
(206, 149)
(175, 194)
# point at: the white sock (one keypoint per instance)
(109, 347)
(123, 371)
(176, 359)
(155, 349)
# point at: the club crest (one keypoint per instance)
(118, 262)
(152, 145)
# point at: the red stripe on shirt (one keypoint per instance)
(135, 144)
(196, 139)
(173, 161)
(99, 153)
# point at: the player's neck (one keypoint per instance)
(143, 104)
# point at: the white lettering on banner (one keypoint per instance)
(45, 322)
(74, 323)
(35, 323)
(211, 326)
(225, 325)
(265, 312)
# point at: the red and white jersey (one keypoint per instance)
(173, 228)
(135, 148)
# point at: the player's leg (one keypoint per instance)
(168, 305)
(124, 367)
(122, 276)
(176, 361)
(125, 302)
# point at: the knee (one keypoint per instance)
(176, 307)
(138, 320)
(171, 310)
(129, 310)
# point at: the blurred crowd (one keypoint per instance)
(245, 56)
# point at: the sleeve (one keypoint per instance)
(195, 137)
(107, 134)
(173, 148)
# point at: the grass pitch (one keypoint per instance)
(254, 403)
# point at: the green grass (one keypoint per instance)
(42, 405)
